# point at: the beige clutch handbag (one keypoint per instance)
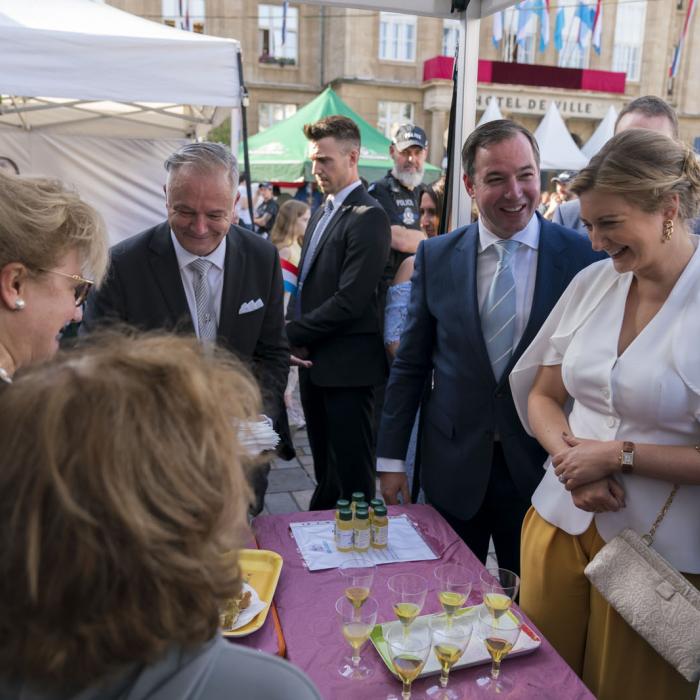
(660, 604)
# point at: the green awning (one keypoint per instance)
(280, 153)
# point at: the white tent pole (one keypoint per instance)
(468, 62)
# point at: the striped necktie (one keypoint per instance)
(498, 312)
(206, 319)
(316, 239)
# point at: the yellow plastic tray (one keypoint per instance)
(261, 568)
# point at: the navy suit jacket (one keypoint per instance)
(467, 407)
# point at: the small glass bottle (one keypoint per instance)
(339, 505)
(372, 505)
(356, 497)
(344, 533)
(380, 528)
(361, 530)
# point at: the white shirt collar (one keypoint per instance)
(339, 197)
(217, 257)
(529, 236)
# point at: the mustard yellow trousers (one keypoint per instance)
(607, 654)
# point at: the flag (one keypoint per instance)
(559, 23)
(290, 275)
(586, 15)
(497, 29)
(543, 11)
(678, 51)
(597, 26)
(285, 7)
(525, 12)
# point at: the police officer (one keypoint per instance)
(399, 192)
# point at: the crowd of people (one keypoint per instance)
(536, 385)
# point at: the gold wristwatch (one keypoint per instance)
(627, 457)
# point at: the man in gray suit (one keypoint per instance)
(647, 112)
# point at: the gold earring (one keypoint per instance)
(668, 230)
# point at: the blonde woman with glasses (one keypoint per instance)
(53, 248)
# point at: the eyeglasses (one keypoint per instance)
(81, 290)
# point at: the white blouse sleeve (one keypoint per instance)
(579, 299)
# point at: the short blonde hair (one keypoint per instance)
(646, 168)
(41, 221)
(122, 495)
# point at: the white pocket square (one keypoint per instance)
(252, 305)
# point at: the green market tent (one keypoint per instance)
(281, 153)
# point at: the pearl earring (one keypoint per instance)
(20, 304)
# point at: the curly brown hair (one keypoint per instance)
(122, 503)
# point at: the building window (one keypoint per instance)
(574, 53)
(392, 115)
(270, 24)
(522, 51)
(450, 36)
(270, 113)
(397, 37)
(629, 38)
(185, 15)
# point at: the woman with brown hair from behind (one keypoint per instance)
(123, 501)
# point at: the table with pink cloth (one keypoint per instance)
(305, 602)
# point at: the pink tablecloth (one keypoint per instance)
(305, 602)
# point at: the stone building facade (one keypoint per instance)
(376, 61)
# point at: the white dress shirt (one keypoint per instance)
(649, 394)
(215, 277)
(524, 267)
(338, 198)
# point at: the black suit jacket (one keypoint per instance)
(466, 406)
(144, 289)
(339, 321)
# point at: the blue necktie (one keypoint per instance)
(310, 252)
(315, 240)
(498, 312)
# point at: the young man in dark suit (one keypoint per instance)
(334, 318)
(197, 273)
(479, 296)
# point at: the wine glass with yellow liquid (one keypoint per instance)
(357, 625)
(500, 635)
(450, 637)
(407, 593)
(454, 587)
(357, 580)
(409, 648)
(498, 588)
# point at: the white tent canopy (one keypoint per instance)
(491, 113)
(558, 151)
(80, 58)
(98, 97)
(602, 134)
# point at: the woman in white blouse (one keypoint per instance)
(611, 389)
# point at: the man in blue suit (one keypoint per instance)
(479, 296)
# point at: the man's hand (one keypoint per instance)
(391, 485)
(406, 240)
(296, 361)
(602, 496)
(585, 461)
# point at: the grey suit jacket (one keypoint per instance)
(467, 407)
(568, 214)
